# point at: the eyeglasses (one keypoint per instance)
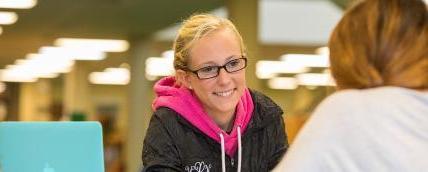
(213, 71)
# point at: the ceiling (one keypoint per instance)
(110, 19)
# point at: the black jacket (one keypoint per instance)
(173, 144)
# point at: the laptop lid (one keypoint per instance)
(51, 147)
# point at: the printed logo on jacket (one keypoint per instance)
(198, 167)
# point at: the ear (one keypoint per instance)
(183, 78)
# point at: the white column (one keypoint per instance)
(244, 14)
(140, 98)
(76, 90)
(35, 100)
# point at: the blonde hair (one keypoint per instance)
(193, 29)
(380, 43)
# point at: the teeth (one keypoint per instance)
(224, 94)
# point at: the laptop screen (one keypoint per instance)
(51, 147)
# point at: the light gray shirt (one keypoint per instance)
(379, 129)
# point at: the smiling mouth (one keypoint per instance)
(224, 93)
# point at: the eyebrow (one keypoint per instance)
(211, 63)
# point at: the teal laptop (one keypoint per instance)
(51, 147)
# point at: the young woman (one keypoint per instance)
(378, 120)
(205, 118)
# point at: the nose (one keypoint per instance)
(223, 77)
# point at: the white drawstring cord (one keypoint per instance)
(239, 149)
(223, 161)
(223, 156)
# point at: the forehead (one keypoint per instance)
(215, 48)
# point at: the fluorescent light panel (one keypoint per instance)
(27, 66)
(283, 83)
(73, 53)
(54, 60)
(110, 76)
(107, 45)
(7, 18)
(46, 64)
(268, 69)
(51, 63)
(36, 66)
(158, 66)
(18, 4)
(315, 79)
(306, 60)
(11, 75)
(323, 51)
(168, 54)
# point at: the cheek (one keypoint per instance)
(203, 88)
(240, 79)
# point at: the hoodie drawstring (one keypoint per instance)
(239, 149)
(223, 161)
(223, 156)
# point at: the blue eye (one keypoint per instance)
(233, 63)
(208, 69)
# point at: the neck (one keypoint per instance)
(223, 119)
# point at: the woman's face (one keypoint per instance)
(222, 93)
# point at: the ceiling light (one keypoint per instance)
(107, 45)
(158, 66)
(267, 69)
(18, 4)
(306, 60)
(315, 79)
(168, 54)
(323, 51)
(110, 76)
(7, 18)
(43, 67)
(283, 83)
(54, 64)
(13, 75)
(72, 53)
(36, 71)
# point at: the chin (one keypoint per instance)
(228, 107)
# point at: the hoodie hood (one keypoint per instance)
(188, 106)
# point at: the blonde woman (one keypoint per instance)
(205, 118)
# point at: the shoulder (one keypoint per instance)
(342, 106)
(261, 99)
(264, 103)
(171, 121)
(166, 118)
(165, 113)
(354, 100)
(265, 110)
(343, 111)
(342, 99)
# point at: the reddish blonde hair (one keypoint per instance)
(381, 43)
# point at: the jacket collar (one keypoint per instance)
(264, 113)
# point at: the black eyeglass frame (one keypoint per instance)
(220, 67)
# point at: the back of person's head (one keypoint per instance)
(194, 28)
(381, 43)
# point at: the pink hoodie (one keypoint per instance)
(184, 102)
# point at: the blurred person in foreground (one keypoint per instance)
(378, 120)
(205, 118)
